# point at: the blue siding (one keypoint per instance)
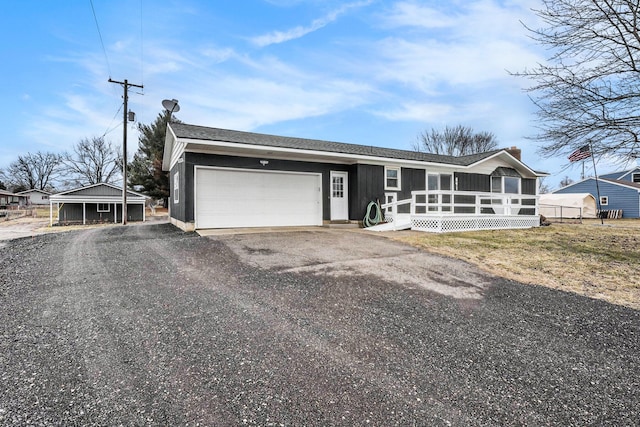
(620, 197)
(628, 176)
(613, 175)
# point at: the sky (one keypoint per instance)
(371, 72)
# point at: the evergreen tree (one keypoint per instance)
(146, 168)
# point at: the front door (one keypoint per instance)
(339, 196)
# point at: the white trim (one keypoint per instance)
(399, 178)
(169, 138)
(238, 149)
(633, 175)
(621, 175)
(103, 210)
(96, 199)
(176, 187)
(605, 180)
(196, 168)
(604, 200)
(345, 195)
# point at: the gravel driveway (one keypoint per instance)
(147, 325)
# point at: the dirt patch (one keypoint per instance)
(334, 253)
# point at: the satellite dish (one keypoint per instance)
(171, 105)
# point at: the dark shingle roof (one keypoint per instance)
(187, 131)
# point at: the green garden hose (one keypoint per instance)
(368, 221)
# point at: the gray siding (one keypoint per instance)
(472, 182)
(99, 190)
(184, 210)
(412, 180)
(72, 213)
(529, 186)
(178, 210)
(370, 188)
(620, 197)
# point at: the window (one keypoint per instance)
(432, 182)
(44, 197)
(511, 185)
(176, 187)
(337, 187)
(496, 184)
(505, 184)
(392, 178)
(104, 207)
(604, 200)
(445, 182)
(438, 184)
(635, 177)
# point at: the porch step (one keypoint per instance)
(342, 224)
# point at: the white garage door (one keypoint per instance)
(227, 198)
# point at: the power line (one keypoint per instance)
(109, 128)
(95, 18)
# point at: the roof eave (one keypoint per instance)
(169, 140)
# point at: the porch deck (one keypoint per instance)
(449, 211)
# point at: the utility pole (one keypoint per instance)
(126, 85)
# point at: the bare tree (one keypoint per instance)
(34, 171)
(588, 91)
(566, 181)
(455, 141)
(93, 161)
(544, 187)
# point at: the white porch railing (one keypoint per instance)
(444, 211)
(471, 202)
(390, 207)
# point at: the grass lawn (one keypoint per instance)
(599, 261)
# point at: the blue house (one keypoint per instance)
(618, 191)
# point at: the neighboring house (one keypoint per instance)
(224, 179)
(9, 200)
(631, 175)
(94, 204)
(619, 191)
(36, 197)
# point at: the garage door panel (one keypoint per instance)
(228, 198)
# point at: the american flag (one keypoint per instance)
(580, 154)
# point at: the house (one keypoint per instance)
(9, 200)
(619, 191)
(95, 204)
(36, 197)
(225, 179)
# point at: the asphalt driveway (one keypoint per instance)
(147, 325)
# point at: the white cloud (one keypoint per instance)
(477, 45)
(246, 103)
(276, 37)
(219, 55)
(411, 13)
(421, 112)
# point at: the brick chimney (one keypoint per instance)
(515, 152)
